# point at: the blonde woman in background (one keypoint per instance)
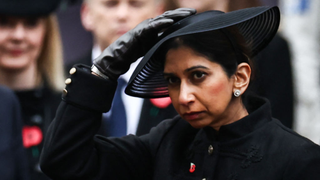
(31, 64)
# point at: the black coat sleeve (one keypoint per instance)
(71, 149)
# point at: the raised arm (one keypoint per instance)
(71, 151)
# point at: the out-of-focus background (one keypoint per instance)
(76, 40)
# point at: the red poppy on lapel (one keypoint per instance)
(161, 102)
(192, 167)
(31, 136)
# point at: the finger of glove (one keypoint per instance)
(161, 24)
(176, 14)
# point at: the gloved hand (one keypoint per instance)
(118, 56)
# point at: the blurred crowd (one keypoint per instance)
(41, 41)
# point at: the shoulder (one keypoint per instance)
(169, 132)
(170, 126)
(292, 142)
(7, 97)
(303, 157)
(9, 108)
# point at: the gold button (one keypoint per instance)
(210, 149)
(73, 70)
(65, 92)
(67, 81)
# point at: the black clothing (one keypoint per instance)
(13, 159)
(150, 115)
(255, 147)
(273, 79)
(38, 110)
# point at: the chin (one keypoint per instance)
(14, 64)
(197, 124)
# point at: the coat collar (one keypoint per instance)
(259, 114)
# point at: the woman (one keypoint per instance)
(31, 64)
(204, 59)
(276, 86)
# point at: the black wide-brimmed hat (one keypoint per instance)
(258, 25)
(28, 7)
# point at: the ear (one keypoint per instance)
(86, 18)
(242, 77)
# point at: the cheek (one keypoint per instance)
(3, 37)
(39, 37)
(217, 88)
(36, 39)
(218, 92)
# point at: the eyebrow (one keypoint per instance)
(196, 67)
(187, 70)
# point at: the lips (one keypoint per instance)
(192, 115)
(121, 32)
(15, 52)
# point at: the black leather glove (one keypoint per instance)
(118, 56)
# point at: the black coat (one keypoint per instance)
(38, 110)
(255, 147)
(150, 115)
(13, 159)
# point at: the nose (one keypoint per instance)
(122, 11)
(18, 32)
(186, 94)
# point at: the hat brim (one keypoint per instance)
(258, 25)
(28, 7)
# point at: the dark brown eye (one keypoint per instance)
(32, 22)
(198, 75)
(4, 21)
(136, 4)
(172, 80)
(110, 3)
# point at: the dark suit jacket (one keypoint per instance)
(254, 147)
(13, 159)
(272, 79)
(147, 118)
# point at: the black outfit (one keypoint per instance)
(273, 79)
(13, 159)
(38, 110)
(150, 115)
(255, 147)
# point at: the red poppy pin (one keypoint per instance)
(161, 102)
(31, 136)
(192, 167)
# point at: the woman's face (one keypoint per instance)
(21, 41)
(200, 90)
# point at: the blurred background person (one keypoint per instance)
(301, 26)
(31, 64)
(107, 20)
(275, 85)
(13, 159)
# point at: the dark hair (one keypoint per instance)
(226, 47)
